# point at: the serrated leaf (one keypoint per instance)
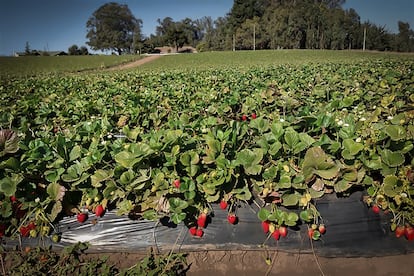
(352, 147)
(396, 133)
(75, 153)
(270, 173)
(263, 214)
(391, 186)
(392, 159)
(290, 199)
(342, 186)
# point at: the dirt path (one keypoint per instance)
(135, 63)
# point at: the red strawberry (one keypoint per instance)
(265, 226)
(276, 234)
(199, 233)
(322, 229)
(99, 211)
(177, 183)
(409, 233)
(232, 218)
(82, 217)
(24, 231)
(310, 232)
(2, 230)
(193, 231)
(223, 204)
(244, 118)
(254, 116)
(13, 198)
(201, 221)
(31, 226)
(283, 231)
(375, 209)
(399, 231)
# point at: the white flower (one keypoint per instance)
(103, 143)
(363, 119)
(109, 136)
(346, 125)
(404, 195)
(358, 140)
(374, 107)
(390, 117)
(37, 200)
(340, 123)
(282, 120)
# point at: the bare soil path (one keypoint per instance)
(134, 64)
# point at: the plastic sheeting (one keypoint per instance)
(352, 230)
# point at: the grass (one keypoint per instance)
(12, 67)
(241, 59)
(35, 65)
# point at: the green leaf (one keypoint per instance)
(306, 139)
(277, 130)
(56, 209)
(352, 147)
(284, 182)
(177, 204)
(275, 148)
(53, 175)
(270, 173)
(291, 219)
(306, 215)
(250, 160)
(395, 132)
(290, 199)
(8, 185)
(392, 159)
(291, 137)
(391, 186)
(75, 153)
(317, 162)
(263, 214)
(54, 191)
(342, 186)
(149, 214)
(177, 218)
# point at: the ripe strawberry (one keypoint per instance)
(99, 211)
(322, 229)
(276, 234)
(244, 117)
(283, 231)
(399, 231)
(223, 204)
(82, 217)
(202, 219)
(265, 226)
(310, 232)
(193, 231)
(24, 231)
(177, 183)
(254, 116)
(375, 209)
(199, 233)
(13, 199)
(409, 233)
(31, 225)
(2, 230)
(232, 218)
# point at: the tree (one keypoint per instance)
(405, 37)
(83, 51)
(73, 50)
(113, 27)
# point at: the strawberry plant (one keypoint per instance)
(171, 144)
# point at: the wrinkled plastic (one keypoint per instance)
(352, 230)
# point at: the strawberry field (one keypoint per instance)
(172, 144)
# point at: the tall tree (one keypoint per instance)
(113, 27)
(405, 37)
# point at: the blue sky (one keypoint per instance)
(58, 24)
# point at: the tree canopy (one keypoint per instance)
(288, 24)
(114, 27)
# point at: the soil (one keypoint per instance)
(240, 263)
(135, 63)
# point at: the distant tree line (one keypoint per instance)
(74, 50)
(250, 24)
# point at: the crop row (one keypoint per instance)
(171, 143)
